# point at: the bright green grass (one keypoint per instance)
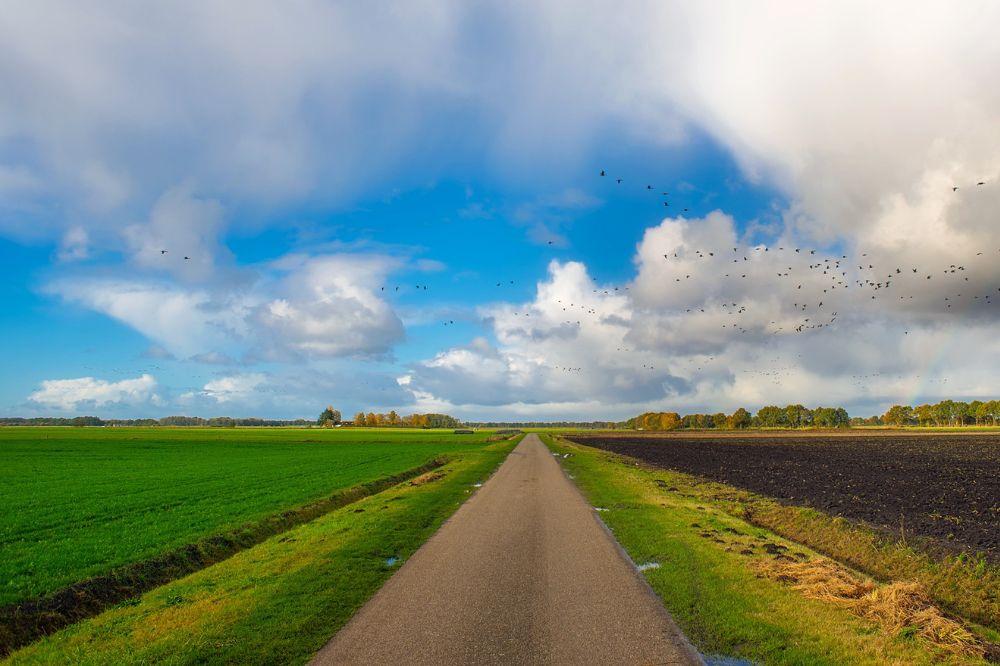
(80, 501)
(280, 601)
(711, 589)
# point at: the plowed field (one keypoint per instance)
(942, 486)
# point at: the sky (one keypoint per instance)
(259, 208)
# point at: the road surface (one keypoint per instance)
(522, 573)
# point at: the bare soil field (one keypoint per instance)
(944, 487)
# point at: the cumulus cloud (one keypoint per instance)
(87, 392)
(709, 322)
(298, 308)
(330, 308)
(563, 347)
(234, 388)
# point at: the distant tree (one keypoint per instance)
(669, 420)
(831, 417)
(360, 420)
(972, 411)
(329, 417)
(442, 421)
(182, 421)
(980, 411)
(993, 410)
(798, 416)
(740, 419)
(773, 417)
(898, 415)
(925, 414)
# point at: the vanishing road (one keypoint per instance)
(522, 573)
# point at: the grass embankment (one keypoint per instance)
(714, 565)
(78, 503)
(281, 600)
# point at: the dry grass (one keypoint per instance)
(429, 477)
(897, 607)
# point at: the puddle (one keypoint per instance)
(716, 660)
(477, 485)
(391, 561)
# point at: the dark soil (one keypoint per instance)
(943, 487)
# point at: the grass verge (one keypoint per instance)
(709, 576)
(281, 600)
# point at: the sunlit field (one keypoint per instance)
(79, 502)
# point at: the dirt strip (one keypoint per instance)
(523, 573)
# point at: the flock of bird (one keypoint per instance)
(773, 290)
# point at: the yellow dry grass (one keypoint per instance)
(895, 607)
(426, 478)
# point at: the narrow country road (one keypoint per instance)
(522, 573)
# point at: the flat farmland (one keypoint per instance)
(945, 487)
(79, 502)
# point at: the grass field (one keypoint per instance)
(79, 502)
(709, 572)
(280, 601)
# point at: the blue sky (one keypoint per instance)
(308, 163)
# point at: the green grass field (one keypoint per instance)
(79, 502)
(280, 601)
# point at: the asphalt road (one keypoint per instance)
(523, 573)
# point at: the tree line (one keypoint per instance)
(770, 416)
(581, 425)
(214, 422)
(394, 420)
(944, 413)
(332, 417)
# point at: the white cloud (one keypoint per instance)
(234, 388)
(75, 245)
(184, 322)
(330, 307)
(702, 327)
(865, 117)
(87, 392)
(181, 236)
(843, 106)
(301, 307)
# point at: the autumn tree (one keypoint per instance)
(898, 415)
